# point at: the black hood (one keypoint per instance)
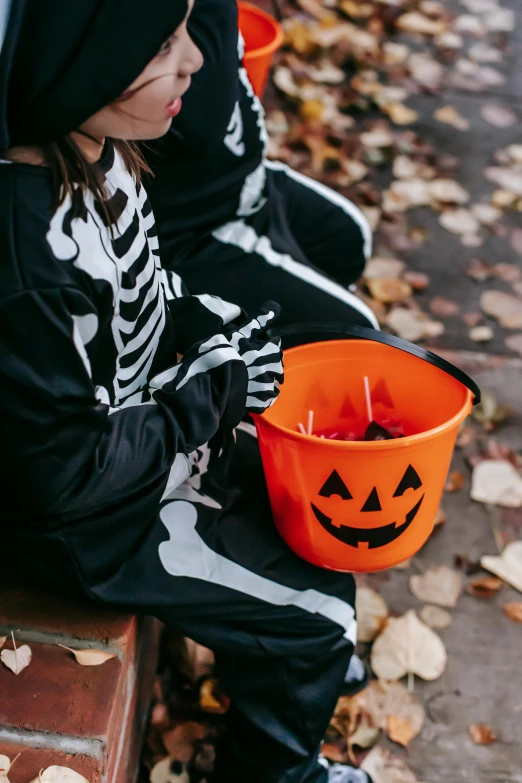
(63, 60)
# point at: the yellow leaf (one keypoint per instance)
(513, 610)
(450, 116)
(400, 114)
(90, 657)
(400, 730)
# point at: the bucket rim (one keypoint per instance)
(375, 445)
(279, 35)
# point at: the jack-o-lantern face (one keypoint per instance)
(342, 511)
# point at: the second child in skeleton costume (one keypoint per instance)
(235, 224)
(124, 473)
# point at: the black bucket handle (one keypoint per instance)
(340, 331)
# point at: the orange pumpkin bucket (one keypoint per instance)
(262, 35)
(361, 505)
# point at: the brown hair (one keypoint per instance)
(69, 167)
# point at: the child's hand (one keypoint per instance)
(263, 358)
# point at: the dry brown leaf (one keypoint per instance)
(211, 698)
(377, 267)
(414, 22)
(454, 482)
(513, 610)
(438, 585)
(481, 734)
(385, 700)
(389, 290)
(448, 191)
(408, 646)
(413, 325)
(179, 741)
(435, 617)
(508, 565)
(509, 273)
(479, 270)
(332, 752)
(57, 774)
(514, 343)
(365, 734)
(505, 307)
(499, 116)
(450, 116)
(484, 586)
(481, 334)
(169, 770)
(498, 482)
(459, 221)
(90, 657)
(372, 614)
(442, 306)
(3, 640)
(383, 767)
(400, 114)
(418, 280)
(18, 659)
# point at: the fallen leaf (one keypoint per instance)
(332, 752)
(400, 730)
(377, 138)
(438, 585)
(499, 116)
(408, 646)
(471, 240)
(514, 343)
(388, 290)
(407, 193)
(508, 565)
(500, 20)
(481, 734)
(418, 280)
(179, 741)
(454, 482)
(498, 482)
(169, 770)
(503, 198)
(507, 179)
(3, 640)
(448, 191)
(516, 240)
(212, 699)
(459, 221)
(509, 273)
(383, 767)
(413, 325)
(442, 306)
(514, 152)
(365, 734)
(90, 657)
(486, 214)
(484, 586)
(5, 766)
(482, 52)
(472, 319)
(450, 116)
(377, 267)
(414, 22)
(56, 774)
(391, 700)
(435, 617)
(479, 270)
(513, 610)
(490, 413)
(16, 659)
(505, 307)
(400, 114)
(481, 334)
(372, 614)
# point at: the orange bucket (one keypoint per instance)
(262, 35)
(361, 505)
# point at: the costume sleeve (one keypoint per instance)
(64, 450)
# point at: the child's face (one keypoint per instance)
(146, 108)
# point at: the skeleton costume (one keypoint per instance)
(235, 224)
(127, 477)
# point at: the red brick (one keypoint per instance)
(56, 694)
(24, 607)
(32, 760)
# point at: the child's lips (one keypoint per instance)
(174, 107)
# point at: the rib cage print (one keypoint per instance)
(125, 255)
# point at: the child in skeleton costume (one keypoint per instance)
(126, 478)
(235, 224)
